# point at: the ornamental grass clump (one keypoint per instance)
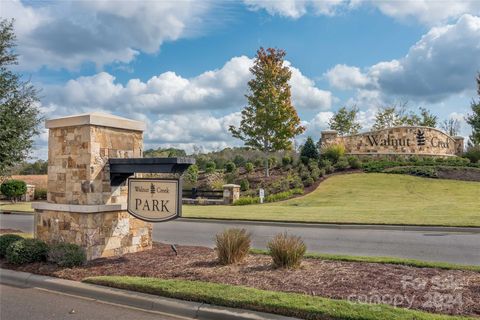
(233, 245)
(287, 251)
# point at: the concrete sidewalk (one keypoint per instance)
(174, 307)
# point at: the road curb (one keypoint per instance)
(175, 307)
(334, 225)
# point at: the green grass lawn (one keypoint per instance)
(289, 304)
(372, 198)
(19, 206)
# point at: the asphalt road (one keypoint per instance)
(32, 303)
(455, 247)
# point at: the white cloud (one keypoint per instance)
(67, 34)
(442, 63)
(220, 89)
(345, 77)
(428, 12)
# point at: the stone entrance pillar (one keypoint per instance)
(82, 207)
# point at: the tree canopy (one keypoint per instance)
(473, 119)
(397, 115)
(19, 113)
(344, 121)
(269, 121)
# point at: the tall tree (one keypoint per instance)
(451, 126)
(474, 119)
(19, 113)
(388, 117)
(309, 150)
(269, 121)
(344, 121)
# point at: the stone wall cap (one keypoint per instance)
(458, 137)
(79, 208)
(97, 119)
(231, 185)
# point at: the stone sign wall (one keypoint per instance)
(423, 141)
(82, 207)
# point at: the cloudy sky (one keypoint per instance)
(182, 66)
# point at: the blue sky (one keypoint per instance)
(182, 66)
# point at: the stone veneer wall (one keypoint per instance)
(102, 234)
(77, 158)
(359, 144)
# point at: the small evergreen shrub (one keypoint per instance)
(230, 167)
(5, 241)
(13, 189)
(354, 162)
(315, 174)
(322, 172)
(473, 154)
(342, 164)
(244, 185)
(308, 182)
(210, 167)
(40, 194)
(286, 160)
(232, 245)
(26, 251)
(286, 251)
(66, 255)
(323, 163)
(272, 162)
(249, 167)
(333, 152)
(246, 201)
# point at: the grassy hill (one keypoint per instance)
(374, 198)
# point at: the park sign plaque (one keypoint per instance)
(154, 200)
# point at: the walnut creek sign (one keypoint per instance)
(407, 140)
(154, 200)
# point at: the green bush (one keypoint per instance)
(286, 251)
(249, 167)
(26, 251)
(13, 189)
(210, 167)
(230, 167)
(342, 164)
(259, 163)
(246, 200)
(239, 160)
(286, 160)
(40, 194)
(425, 171)
(191, 175)
(66, 255)
(232, 245)
(333, 152)
(473, 154)
(322, 172)
(283, 195)
(354, 162)
(315, 174)
(244, 185)
(308, 182)
(272, 162)
(5, 241)
(323, 163)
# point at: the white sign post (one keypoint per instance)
(261, 194)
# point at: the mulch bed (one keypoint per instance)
(434, 290)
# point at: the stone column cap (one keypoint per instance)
(231, 185)
(97, 119)
(79, 208)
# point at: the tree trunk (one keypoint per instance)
(267, 171)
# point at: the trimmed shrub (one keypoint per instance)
(333, 152)
(40, 194)
(322, 172)
(244, 185)
(473, 154)
(210, 167)
(13, 189)
(66, 255)
(323, 163)
(354, 162)
(246, 200)
(230, 167)
(315, 173)
(329, 169)
(26, 251)
(249, 167)
(308, 182)
(232, 245)
(286, 160)
(341, 164)
(6, 240)
(286, 251)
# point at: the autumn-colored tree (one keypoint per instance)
(269, 121)
(344, 121)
